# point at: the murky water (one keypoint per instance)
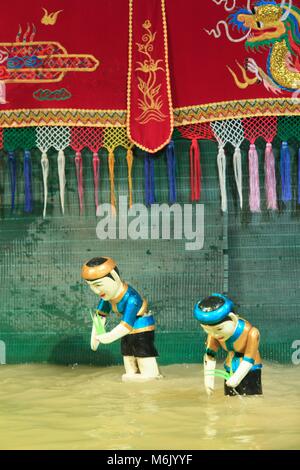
(80, 407)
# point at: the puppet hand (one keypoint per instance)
(209, 379)
(102, 338)
(239, 374)
(233, 381)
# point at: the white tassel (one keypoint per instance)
(45, 168)
(221, 160)
(237, 165)
(62, 178)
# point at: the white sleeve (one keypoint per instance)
(209, 378)
(116, 333)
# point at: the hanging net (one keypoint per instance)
(92, 138)
(232, 132)
(194, 133)
(113, 138)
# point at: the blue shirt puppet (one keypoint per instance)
(238, 338)
(136, 327)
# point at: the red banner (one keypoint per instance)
(65, 64)
(150, 114)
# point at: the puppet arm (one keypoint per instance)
(122, 329)
(248, 361)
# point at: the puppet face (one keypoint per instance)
(223, 330)
(106, 287)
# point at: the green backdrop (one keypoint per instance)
(44, 310)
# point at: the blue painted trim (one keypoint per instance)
(248, 359)
(255, 367)
(216, 316)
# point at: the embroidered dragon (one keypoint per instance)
(273, 25)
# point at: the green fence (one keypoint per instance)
(44, 310)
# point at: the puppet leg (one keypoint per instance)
(148, 368)
(131, 368)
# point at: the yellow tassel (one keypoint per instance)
(129, 159)
(111, 166)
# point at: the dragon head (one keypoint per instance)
(267, 22)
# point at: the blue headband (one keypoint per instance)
(214, 316)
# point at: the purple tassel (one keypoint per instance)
(12, 173)
(254, 197)
(299, 176)
(27, 179)
(171, 161)
(149, 180)
(270, 178)
(285, 170)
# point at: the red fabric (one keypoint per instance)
(198, 62)
(150, 114)
(91, 42)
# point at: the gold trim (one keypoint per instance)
(121, 295)
(167, 80)
(143, 308)
(140, 330)
(126, 325)
(69, 117)
(100, 313)
(91, 273)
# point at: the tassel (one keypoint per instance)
(96, 172)
(237, 165)
(195, 170)
(129, 158)
(45, 170)
(270, 177)
(78, 164)
(299, 176)
(221, 161)
(12, 174)
(27, 179)
(171, 162)
(111, 166)
(254, 197)
(61, 178)
(149, 180)
(285, 170)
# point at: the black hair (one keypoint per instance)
(97, 262)
(211, 303)
(221, 321)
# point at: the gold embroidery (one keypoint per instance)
(50, 18)
(186, 115)
(50, 68)
(247, 80)
(151, 102)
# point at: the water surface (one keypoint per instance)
(82, 407)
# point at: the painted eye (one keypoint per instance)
(259, 24)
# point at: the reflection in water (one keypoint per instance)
(56, 407)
